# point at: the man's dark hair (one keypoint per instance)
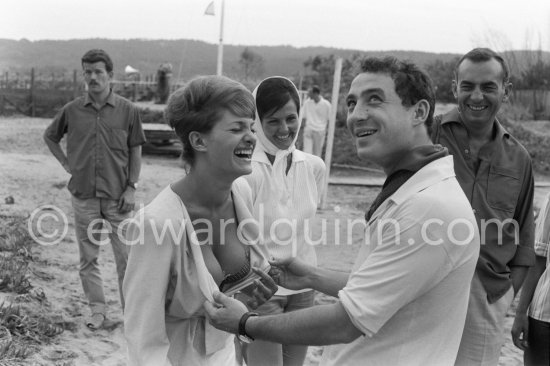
(411, 83)
(98, 55)
(315, 89)
(482, 55)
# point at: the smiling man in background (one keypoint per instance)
(494, 170)
(104, 138)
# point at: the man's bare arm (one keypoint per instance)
(58, 153)
(317, 325)
(329, 281)
(517, 275)
(297, 275)
(134, 168)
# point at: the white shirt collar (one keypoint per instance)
(260, 156)
(434, 172)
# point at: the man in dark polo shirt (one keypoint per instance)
(104, 138)
(494, 170)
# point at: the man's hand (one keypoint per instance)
(261, 290)
(225, 313)
(127, 201)
(292, 273)
(520, 329)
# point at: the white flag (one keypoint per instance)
(210, 9)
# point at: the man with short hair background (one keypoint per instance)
(315, 119)
(494, 170)
(405, 301)
(104, 138)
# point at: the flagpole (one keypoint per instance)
(220, 46)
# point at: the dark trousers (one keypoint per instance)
(538, 352)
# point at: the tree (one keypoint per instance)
(536, 79)
(251, 63)
(442, 74)
(320, 71)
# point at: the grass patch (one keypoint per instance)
(14, 237)
(537, 127)
(15, 254)
(24, 325)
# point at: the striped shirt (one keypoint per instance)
(540, 305)
(286, 213)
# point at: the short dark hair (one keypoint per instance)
(273, 94)
(315, 89)
(98, 55)
(199, 105)
(482, 55)
(412, 84)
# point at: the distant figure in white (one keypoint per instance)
(316, 115)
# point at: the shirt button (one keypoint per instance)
(467, 151)
(474, 210)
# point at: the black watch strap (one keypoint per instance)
(242, 323)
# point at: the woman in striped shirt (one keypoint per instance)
(531, 329)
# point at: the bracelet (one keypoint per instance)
(242, 323)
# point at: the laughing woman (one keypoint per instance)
(286, 185)
(189, 241)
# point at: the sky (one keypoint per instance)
(421, 25)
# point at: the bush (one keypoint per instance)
(538, 145)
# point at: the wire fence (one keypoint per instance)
(42, 94)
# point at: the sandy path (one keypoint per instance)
(36, 180)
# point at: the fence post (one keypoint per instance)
(32, 93)
(332, 121)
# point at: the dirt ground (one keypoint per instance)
(31, 175)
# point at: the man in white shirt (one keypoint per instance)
(315, 119)
(405, 300)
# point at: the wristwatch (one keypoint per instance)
(242, 327)
(134, 185)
